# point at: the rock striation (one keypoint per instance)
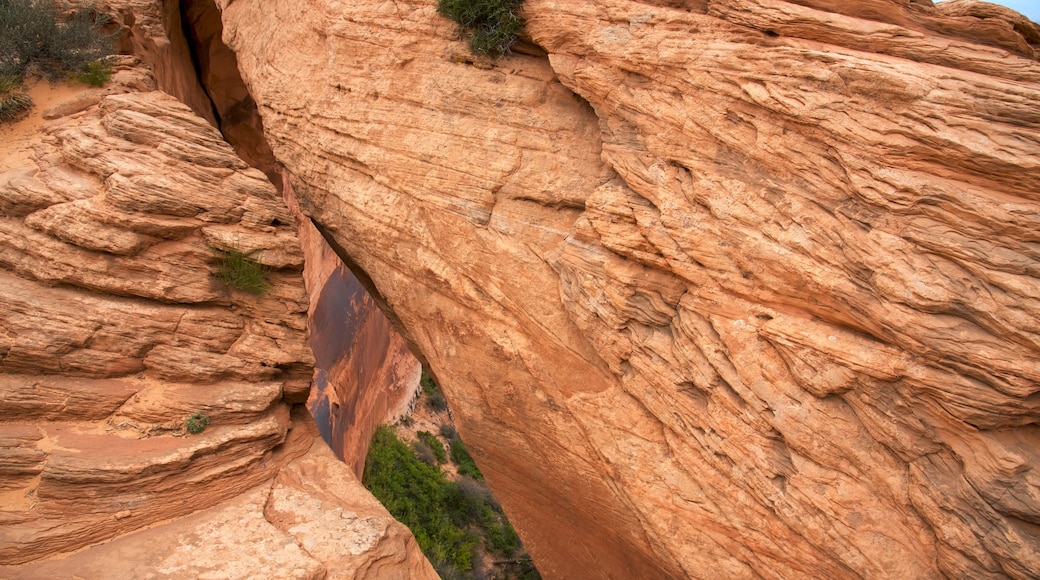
(114, 328)
(737, 288)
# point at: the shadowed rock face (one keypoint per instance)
(717, 288)
(366, 374)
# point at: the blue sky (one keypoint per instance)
(1031, 8)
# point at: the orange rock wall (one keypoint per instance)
(115, 327)
(738, 288)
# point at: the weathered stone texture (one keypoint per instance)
(114, 328)
(715, 288)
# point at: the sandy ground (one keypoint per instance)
(17, 139)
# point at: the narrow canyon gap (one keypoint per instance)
(364, 372)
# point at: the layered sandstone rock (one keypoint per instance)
(114, 327)
(715, 288)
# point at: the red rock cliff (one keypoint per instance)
(114, 328)
(715, 288)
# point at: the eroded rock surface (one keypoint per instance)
(726, 288)
(114, 328)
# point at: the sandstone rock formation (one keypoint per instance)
(365, 375)
(114, 328)
(716, 288)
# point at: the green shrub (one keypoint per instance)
(464, 461)
(34, 33)
(435, 445)
(239, 271)
(417, 495)
(494, 25)
(13, 99)
(434, 398)
(196, 422)
(95, 74)
(426, 382)
(448, 519)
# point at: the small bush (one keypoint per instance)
(95, 74)
(437, 402)
(434, 398)
(435, 445)
(34, 33)
(426, 382)
(448, 431)
(424, 452)
(464, 461)
(407, 420)
(196, 422)
(13, 99)
(239, 271)
(494, 25)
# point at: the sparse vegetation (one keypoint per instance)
(95, 74)
(36, 38)
(196, 423)
(13, 99)
(240, 271)
(35, 34)
(434, 398)
(493, 25)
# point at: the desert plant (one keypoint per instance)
(35, 33)
(449, 519)
(240, 271)
(464, 461)
(424, 452)
(196, 423)
(435, 445)
(493, 25)
(418, 496)
(448, 431)
(95, 74)
(437, 402)
(434, 398)
(13, 98)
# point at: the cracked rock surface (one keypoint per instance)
(737, 288)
